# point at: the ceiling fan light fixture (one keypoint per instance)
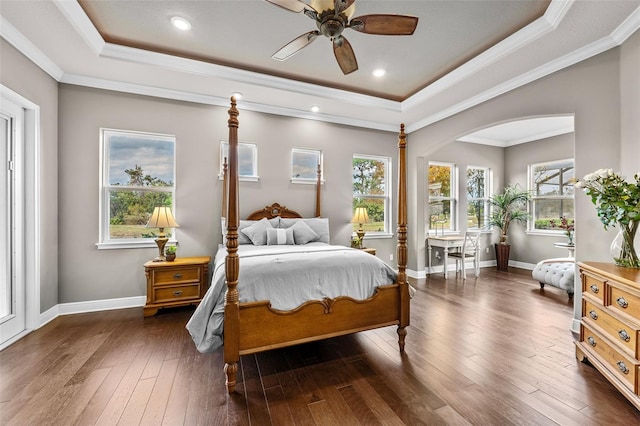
(181, 23)
(379, 72)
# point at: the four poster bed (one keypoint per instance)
(264, 292)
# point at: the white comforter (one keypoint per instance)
(287, 276)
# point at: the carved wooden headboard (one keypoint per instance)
(274, 210)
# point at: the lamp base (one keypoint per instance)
(360, 233)
(161, 242)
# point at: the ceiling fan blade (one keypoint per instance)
(295, 45)
(292, 5)
(385, 24)
(344, 55)
(341, 5)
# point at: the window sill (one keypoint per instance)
(244, 178)
(113, 245)
(306, 181)
(377, 236)
(543, 233)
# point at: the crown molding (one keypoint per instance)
(28, 49)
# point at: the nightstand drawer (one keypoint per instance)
(174, 293)
(177, 275)
(624, 367)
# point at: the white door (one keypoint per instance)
(12, 283)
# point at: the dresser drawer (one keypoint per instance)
(176, 293)
(624, 301)
(621, 365)
(177, 275)
(623, 333)
(594, 286)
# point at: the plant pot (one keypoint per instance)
(170, 257)
(502, 256)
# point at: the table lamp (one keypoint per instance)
(162, 218)
(360, 216)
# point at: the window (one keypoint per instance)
(371, 183)
(478, 190)
(138, 174)
(304, 165)
(247, 160)
(442, 197)
(552, 192)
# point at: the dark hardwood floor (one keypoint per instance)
(496, 350)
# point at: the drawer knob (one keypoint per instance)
(622, 302)
(177, 292)
(591, 341)
(594, 288)
(177, 276)
(593, 315)
(622, 367)
(624, 335)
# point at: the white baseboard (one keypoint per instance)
(91, 306)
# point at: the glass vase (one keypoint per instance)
(624, 248)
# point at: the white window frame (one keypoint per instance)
(105, 242)
(452, 198)
(488, 178)
(312, 179)
(387, 232)
(252, 157)
(534, 198)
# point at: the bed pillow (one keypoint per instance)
(279, 236)
(302, 233)
(319, 225)
(242, 238)
(257, 232)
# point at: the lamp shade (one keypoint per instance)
(360, 215)
(162, 218)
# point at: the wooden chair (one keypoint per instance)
(470, 250)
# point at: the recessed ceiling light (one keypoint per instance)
(181, 23)
(315, 108)
(237, 95)
(379, 72)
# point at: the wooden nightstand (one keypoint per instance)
(369, 250)
(178, 283)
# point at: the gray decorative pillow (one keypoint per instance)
(257, 232)
(242, 238)
(302, 233)
(280, 236)
(319, 225)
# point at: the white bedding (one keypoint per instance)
(287, 276)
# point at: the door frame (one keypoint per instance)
(31, 211)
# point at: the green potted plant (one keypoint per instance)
(507, 207)
(170, 253)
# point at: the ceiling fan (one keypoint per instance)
(332, 19)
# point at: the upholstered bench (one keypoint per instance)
(557, 273)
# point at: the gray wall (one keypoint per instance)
(589, 90)
(527, 247)
(23, 77)
(87, 273)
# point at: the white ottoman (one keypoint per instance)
(557, 273)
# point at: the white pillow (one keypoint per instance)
(257, 232)
(280, 236)
(302, 233)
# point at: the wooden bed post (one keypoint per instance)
(232, 262)
(402, 238)
(318, 191)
